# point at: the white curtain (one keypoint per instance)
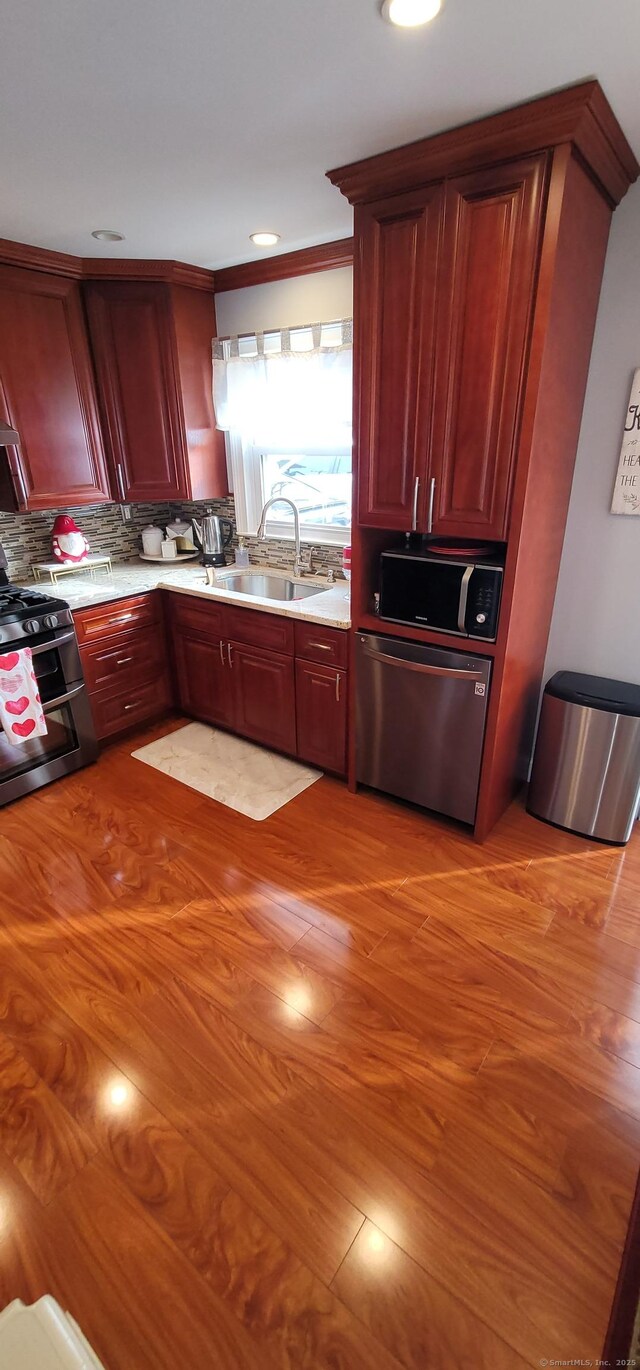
(287, 391)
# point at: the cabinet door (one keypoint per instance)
(263, 684)
(131, 326)
(47, 394)
(394, 357)
(204, 678)
(490, 253)
(321, 705)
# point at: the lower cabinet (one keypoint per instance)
(265, 698)
(124, 660)
(321, 701)
(242, 669)
(202, 675)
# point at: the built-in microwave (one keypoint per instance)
(445, 593)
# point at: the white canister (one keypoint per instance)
(152, 541)
(168, 549)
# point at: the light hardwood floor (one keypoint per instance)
(336, 1090)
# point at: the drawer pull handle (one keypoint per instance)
(122, 660)
(135, 705)
(321, 646)
(337, 688)
(124, 618)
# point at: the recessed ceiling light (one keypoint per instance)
(108, 235)
(410, 14)
(265, 239)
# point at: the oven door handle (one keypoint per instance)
(62, 699)
(55, 642)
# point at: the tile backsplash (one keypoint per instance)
(26, 538)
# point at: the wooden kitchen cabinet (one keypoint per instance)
(47, 394)
(445, 295)
(499, 360)
(264, 694)
(151, 343)
(203, 678)
(394, 355)
(124, 660)
(235, 667)
(321, 705)
(485, 298)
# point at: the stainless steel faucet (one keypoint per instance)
(298, 568)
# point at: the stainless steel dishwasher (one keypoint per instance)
(420, 721)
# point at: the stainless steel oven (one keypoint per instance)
(69, 742)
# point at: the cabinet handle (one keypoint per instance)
(321, 646)
(414, 516)
(337, 687)
(229, 649)
(121, 482)
(135, 705)
(432, 495)
(222, 652)
(124, 618)
(122, 660)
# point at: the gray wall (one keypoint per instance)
(596, 617)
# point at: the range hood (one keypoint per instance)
(8, 436)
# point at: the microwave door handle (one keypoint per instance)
(51, 646)
(62, 699)
(449, 672)
(464, 595)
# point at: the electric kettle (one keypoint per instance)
(212, 541)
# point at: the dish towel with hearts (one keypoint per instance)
(20, 707)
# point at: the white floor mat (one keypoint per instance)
(239, 774)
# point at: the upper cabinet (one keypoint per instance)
(396, 290)
(492, 231)
(152, 348)
(444, 297)
(47, 394)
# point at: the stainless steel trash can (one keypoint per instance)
(586, 767)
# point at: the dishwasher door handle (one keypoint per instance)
(448, 672)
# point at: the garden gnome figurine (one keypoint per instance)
(67, 542)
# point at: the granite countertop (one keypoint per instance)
(330, 606)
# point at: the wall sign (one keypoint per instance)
(626, 491)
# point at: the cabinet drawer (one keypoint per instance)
(193, 614)
(260, 630)
(113, 713)
(327, 646)
(108, 620)
(121, 662)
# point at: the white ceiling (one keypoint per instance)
(188, 125)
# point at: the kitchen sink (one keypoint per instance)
(269, 587)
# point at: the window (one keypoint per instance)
(284, 400)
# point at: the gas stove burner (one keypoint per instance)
(30, 612)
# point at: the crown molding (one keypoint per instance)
(39, 259)
(325, 257)
(139, 269)
(580, 115)
(101, 268)
(304, 262)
